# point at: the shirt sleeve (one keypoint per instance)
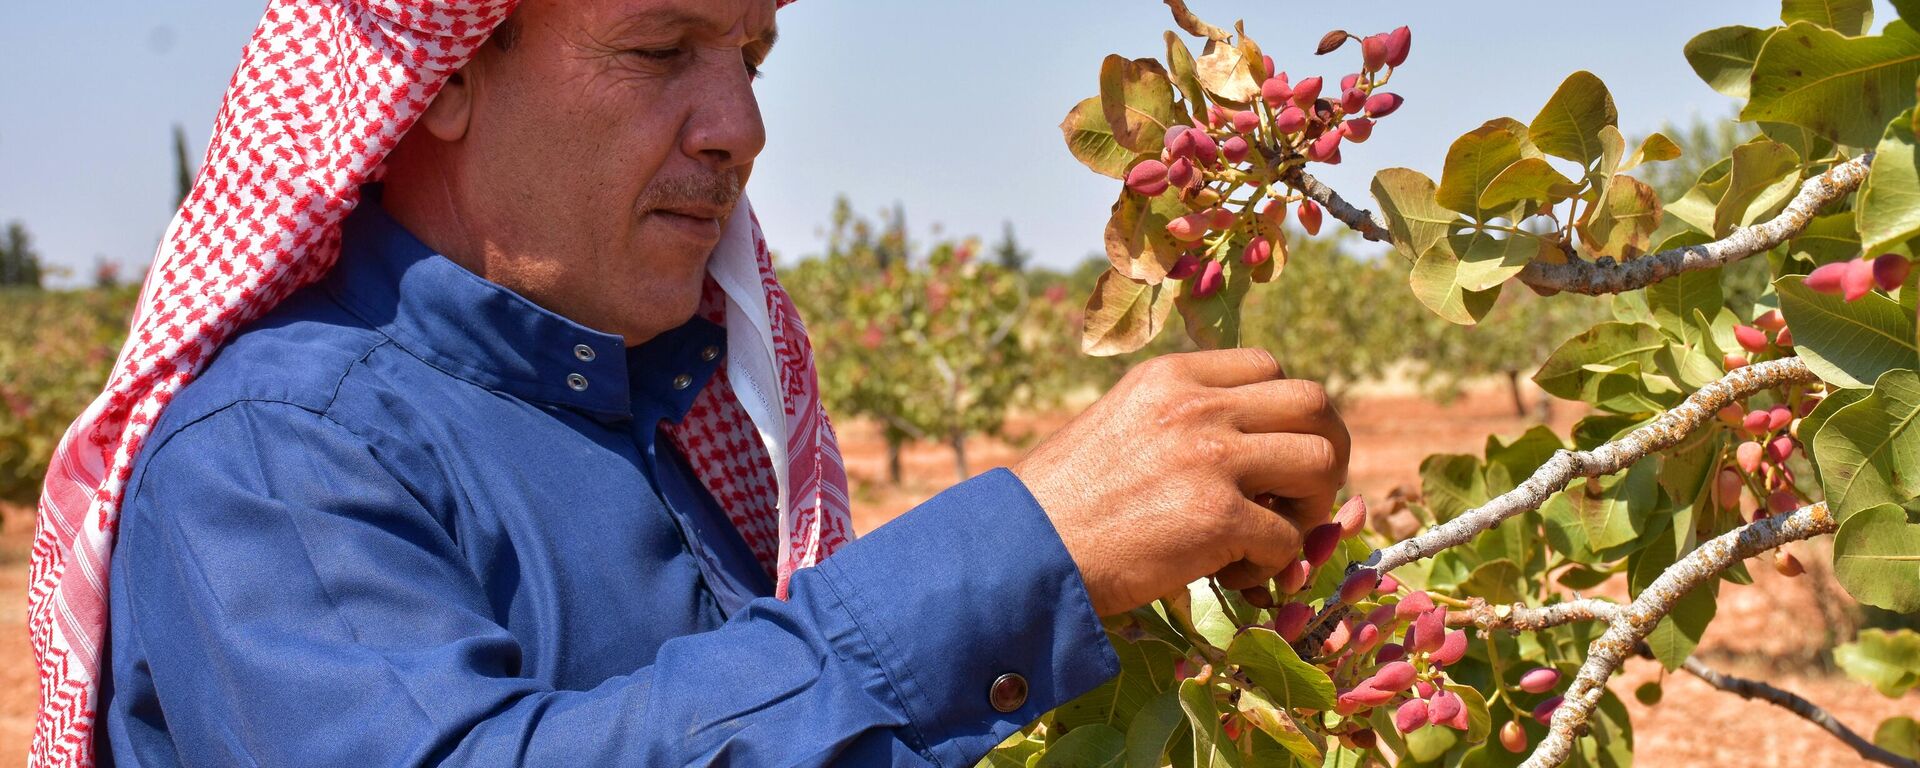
(297, 605)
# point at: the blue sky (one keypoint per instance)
(949, 108)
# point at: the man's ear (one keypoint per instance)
(452, 109)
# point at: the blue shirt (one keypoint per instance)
(384, 528)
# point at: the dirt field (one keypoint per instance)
(1773, 630)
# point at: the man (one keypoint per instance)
(533, 473)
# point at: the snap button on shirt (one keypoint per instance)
(1009, 692)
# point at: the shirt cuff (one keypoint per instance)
(972, 585)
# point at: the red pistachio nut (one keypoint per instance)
(1733, 361)
(1890, 271)
(1778, 418)
(1319, 544)
(1858, 281)
(1756, 422)
(1784, 339)
(1452, 649)
(1258, 250)
(1513, 737)
(1189, 228)
(1780, 449)
(1352, 100)
(1219, 219)
(1306, 92)
(1394, 677)
(1432, 633)
(1358, 584)
(1291, 620)
(1782, 502)
(1184, 267)
(1726, 490)
(1771, 321)
(1211, 280)
(1293, 577)
(1246, 121)
(1309, 216)
(1276, 91)
(1391, 652)
(1732, 415)
(1352, 515)
(1366, 638)
(1827, 278)
(1411, 606)
(1540, 680)
(1349, 81)
(1357, 129)
(1383, 103)
(1751, 339)
(1543, 714)
(1322, 148)
(1444, 706)
(1235, 149)
(1787, 565)
(1373, 52)
(1179, 143)
(1290, 120)
(1148, 179)
(1399, 44)
(1410, 716)
(1749, 455)
(1181, 172)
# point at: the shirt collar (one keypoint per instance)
(485, 333)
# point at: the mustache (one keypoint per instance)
(718, 190)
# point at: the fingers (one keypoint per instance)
(1227, 367)
(1291, 465)
(1284, 405)
(1244, 574)
(1270, 542)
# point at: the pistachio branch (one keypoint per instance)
(1519, 617)
(1754, 689)
(1606, 276)
(1637, 619)
(1193, 25)
(1566, 466)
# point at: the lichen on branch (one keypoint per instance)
(1637, 619)
(1608, 277)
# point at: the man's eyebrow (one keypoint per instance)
(763, 45)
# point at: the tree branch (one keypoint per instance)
(1518, 617)
(1606, 277)
(1553, 476)
(1754, 689)
(1193, 25)
(1637, 619)
(1593, 279)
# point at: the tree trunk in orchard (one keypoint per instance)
(1513, 386)
(959, 444)
(893, 457)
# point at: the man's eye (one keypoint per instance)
(657, 54)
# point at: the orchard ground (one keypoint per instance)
(1773, 630)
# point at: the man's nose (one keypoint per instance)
(725, 130)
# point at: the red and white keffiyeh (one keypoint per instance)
(324, 90)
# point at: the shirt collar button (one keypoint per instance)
(576, 382)
(583, 352)
(682, 381)
(710, 354)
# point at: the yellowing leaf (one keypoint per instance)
(1414, 216)
(1091, 140)
(1473, 162)
(1621, 225)
(1123, 314)
(1137, 99)
(1765, 174)
(1724, 57)
(1223, 70)
(1569, 125)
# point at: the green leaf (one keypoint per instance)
(1146, 669)
(1675, 637)
(1843, 88)
(1569, 125)
(1811, 425)
(1697, 206)
(1899, 735)
(1487, 260)
(1498, 581)
(1566, 373)
(1153, 729)
(1826, 239)
(1618, 514)
(1479, 721)
(1273, 720)
(1180, 69)
(1451, 483)
(1210, 745)
(1848, 344)
(1214, 322)
(1870, 451)
(1124, 314)
(1270, 663)
(1876, 556)
(1848, 17)
(1435, 279)
(1474, 160)
(1210, 618)
(1137, 99)
(1888, 660)
(1414, 216)
(1674, 300)
(1655, 148)
(1089, 746)
(1887, 210)
(1621, 225)
(1091, 141)
(1724, 57)
(1530, 179)
(1765, 174)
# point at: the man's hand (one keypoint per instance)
(1153, 486)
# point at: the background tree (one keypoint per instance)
(19, 262)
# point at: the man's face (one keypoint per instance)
(605, 145)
